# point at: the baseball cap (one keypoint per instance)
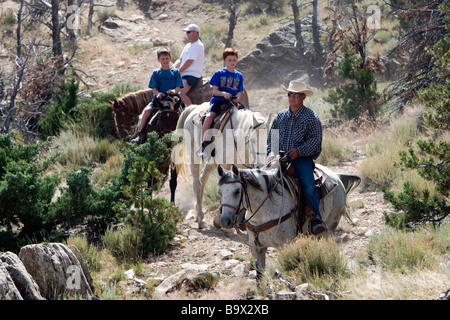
(192, 27)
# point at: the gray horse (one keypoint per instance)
(270, 205)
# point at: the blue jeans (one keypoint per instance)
(304, 169)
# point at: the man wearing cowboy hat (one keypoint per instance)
(190, 63)
(300, 135)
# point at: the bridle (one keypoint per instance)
(244, 195)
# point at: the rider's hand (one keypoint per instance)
(293, 153)
(226, 95)
(270, 157)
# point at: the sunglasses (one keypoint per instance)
(188, 32)
(295, 95)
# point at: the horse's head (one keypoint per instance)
(231, 190)
(168, 102)
(122, 117)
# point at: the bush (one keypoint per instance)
(313, 260)
(26, 192)
(155, 219)
(124, 244)
(61, 111)
(358, 96)
(79, 200)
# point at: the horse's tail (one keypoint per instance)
(179, 156)
(349, 181)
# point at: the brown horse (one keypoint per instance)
(162, 121)
(133, 103)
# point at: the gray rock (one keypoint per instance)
(171, 283)
(28, 288)
(8, 290)
(57, 271)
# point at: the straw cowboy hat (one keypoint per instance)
(296, 86)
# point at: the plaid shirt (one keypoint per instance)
(302, 130)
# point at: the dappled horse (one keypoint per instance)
(125, 107)
(242, 141)
(271, 206)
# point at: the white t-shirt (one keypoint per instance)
(196, 52)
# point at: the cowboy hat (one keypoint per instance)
(296, 86)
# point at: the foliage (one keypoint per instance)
(432, 159)
(79, 200)
(313, 260)
(422, 27)
(61, 110)
(93, 115)
(156, 219)
(357, 96)
(405, 252)
(25, 192)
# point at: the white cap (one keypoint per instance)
(192, 27)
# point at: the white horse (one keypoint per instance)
(270, 216)
(242, 142)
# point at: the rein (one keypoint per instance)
(260, 228)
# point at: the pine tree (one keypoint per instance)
(432, 157)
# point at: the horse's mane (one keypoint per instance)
(137, 101)
(244, 118)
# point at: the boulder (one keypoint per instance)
(8, 289)
(57, 270)
(275, 61)
(171, 283)
(25, 284)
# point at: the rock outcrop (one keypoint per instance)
(275, 61)
(44, 271)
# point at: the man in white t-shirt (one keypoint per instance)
(190, 63)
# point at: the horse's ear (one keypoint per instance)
(220, 170)
(235, 170)
(111, 101)
(177, 104)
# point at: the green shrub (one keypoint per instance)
(26, 192)
(313, 260)
(155, 219)
(124, 244)
(79, 200)
(61, 111)
(358, 96)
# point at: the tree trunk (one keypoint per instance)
(56, 30)
(298, 26)
(233, 21)
(318, 54)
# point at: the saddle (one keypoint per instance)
(324, 187)
(219, 121)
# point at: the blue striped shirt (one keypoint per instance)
(302, 130)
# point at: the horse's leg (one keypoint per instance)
(173, 182)
(259, 254)
(206, 172)
(195, 171)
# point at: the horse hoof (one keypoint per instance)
(201, 225)
(216, 222)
